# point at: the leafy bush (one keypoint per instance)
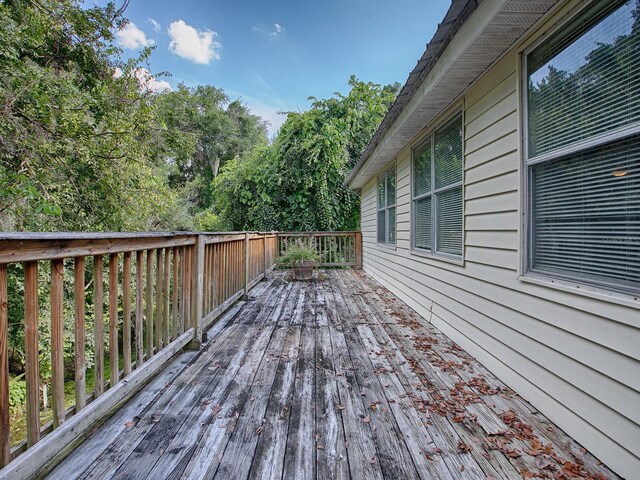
(17, 393)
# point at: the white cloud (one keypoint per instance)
(150, 83)
(270, 32)
(198, 46)
(131, 37)
(155, 24)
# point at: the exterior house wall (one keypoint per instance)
(574, 356)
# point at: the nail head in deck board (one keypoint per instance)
(5, 441)
(57, 341)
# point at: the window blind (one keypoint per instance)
(586, 214)
(449, 228)
(585, 81)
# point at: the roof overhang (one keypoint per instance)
(473, 35)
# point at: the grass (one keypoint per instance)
(18, 420)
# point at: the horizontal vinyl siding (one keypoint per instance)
(574, 357)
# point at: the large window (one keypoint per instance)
(437, 191)
(387, 207)
(583, 149)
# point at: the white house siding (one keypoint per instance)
(574, 357)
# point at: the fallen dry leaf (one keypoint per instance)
(463, 447)
(366, 419)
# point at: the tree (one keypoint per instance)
(297, 183)
(73, 135)
(200, 131)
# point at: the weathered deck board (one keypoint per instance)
(332, 379)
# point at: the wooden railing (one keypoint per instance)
(335, 249)
(162, 290)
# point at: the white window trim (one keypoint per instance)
(434, 253)
(385, 175)
(600, 290)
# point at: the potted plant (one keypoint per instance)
(302, 258)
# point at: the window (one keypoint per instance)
(437, 191)
(387, 207)
(583, 149)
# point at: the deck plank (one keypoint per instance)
(331, 379)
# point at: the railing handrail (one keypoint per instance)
(168, 284)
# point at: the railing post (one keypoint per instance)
(197, 291)
(246, 266)
(5, 444)
(264, 251)
(358, 251)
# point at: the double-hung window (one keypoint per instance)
(582, 148)
(387, 207)
(437, 191)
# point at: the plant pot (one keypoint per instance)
(303, 269)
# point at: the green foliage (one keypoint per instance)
(299, 252)
(200, 131)
(297, 183)
(17, 393)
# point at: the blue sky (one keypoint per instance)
(274, 55)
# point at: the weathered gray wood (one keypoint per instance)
(57, 341)
(268, 461)
(149, 305)
(79, 334)
(321, 379)
(113, 321)
(360, 447)
(42, 246)
(139, 308)
(300, 454)
(331, 451)
(126, 313)
(126, 432)
(45, 455)
(392, 451)
(98, 326)
(5, 442)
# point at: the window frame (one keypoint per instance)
(572, 283)
(458, 111)
(385, 174)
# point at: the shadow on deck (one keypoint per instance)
(330, 379)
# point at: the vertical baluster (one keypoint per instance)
(167, 292)
(149, 304)
(57, 341)
(5, 441)
(98, 326)
(174, 294)
(126, 313)
(183, 282)
(80, 363)
(139, 297)
(113, 319)
(189, 259)
(159, 293)
(31, 351)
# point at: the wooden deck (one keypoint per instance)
(330, 379)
